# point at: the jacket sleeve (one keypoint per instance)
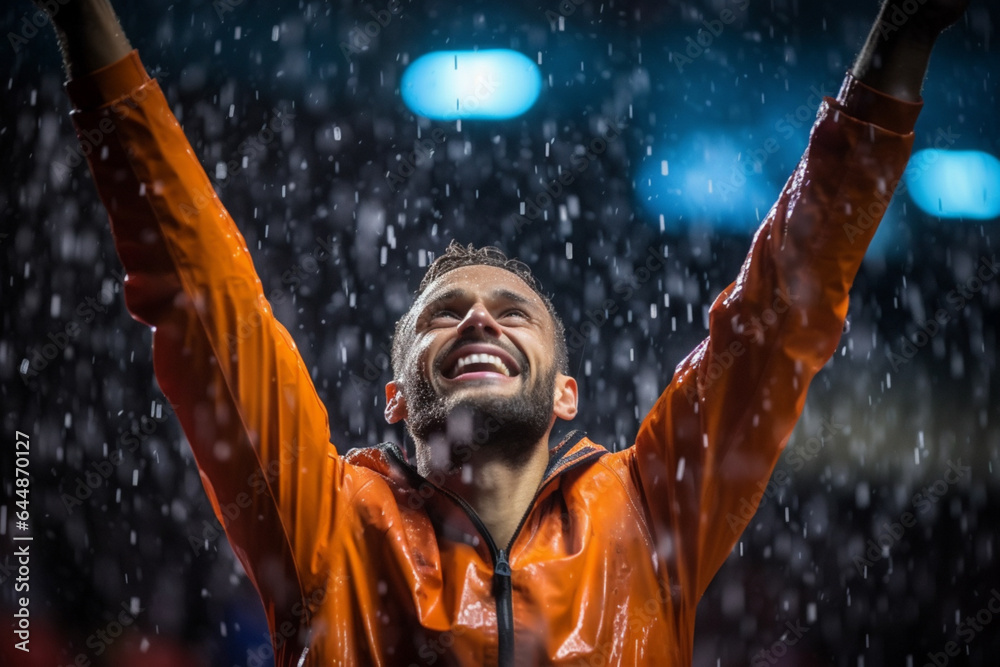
(237, 383)
(705, 451)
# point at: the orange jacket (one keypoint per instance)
(360, 561)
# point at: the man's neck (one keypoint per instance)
(499, 490)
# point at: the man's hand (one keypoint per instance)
(89, 33)
(895, 56)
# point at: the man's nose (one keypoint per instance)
(479, 320)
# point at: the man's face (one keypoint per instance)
(481, 362)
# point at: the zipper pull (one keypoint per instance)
(502, 568)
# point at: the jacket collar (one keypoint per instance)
(575, 449)
(388, 459)
(452, 517)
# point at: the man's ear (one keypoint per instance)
(564, 405)
(395, 403)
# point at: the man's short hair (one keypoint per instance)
(457, 256)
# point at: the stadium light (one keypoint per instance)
(491, 84)
(705, 181)
(955, 184)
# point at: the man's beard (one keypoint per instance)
(507, 427)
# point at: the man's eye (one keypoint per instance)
(445, 313)
(515, 313)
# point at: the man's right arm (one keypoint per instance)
(259, 431)
(706, 450)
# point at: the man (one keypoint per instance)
(496, 548)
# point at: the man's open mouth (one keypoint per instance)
(481, 362)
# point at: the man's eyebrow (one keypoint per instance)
(453, 293)
(510, 295)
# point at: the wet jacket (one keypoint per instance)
(360, 561)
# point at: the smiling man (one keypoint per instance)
(482, 365)
(498, 547)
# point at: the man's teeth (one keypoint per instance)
(494, 361)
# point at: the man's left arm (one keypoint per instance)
(705, 451)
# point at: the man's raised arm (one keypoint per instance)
(233, 374)
(705, 452)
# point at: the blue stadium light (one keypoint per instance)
(491, 84)
(955, 184)
(705, 181)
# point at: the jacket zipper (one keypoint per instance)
(502, 588)
(505, 610)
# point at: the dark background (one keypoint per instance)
(130, 541)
